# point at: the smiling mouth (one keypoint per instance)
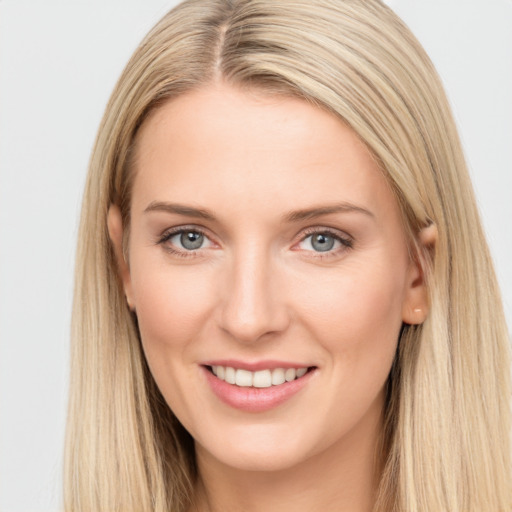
(258, 379)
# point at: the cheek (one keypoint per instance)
(172, 304)
(355, 313)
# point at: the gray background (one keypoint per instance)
(58, 63)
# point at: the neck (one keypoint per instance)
(343, 478)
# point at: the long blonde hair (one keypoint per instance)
(447, 422)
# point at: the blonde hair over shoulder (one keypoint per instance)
(447, 438)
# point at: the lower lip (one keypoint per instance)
(251, 399)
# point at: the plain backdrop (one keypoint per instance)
(58, 64)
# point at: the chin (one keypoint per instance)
(258, 448)
(265, 460)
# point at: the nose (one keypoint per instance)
(253, 304)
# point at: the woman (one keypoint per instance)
(284, 298)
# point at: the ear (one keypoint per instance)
(416, 303)
(115, 231)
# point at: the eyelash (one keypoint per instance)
(177, 231)
(345, 241)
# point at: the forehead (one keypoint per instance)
(219, 146)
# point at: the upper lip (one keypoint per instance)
(254, 366)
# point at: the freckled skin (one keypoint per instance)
(257, 289)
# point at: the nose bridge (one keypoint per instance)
(252, 305)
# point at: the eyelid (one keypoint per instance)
(171, 232)
(346, 240)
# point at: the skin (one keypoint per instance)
(257, 289)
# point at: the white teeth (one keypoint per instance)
(262, 379)
(301, 372)
(278, 377)
(290, 374)
(258, 379)
(230, 375)
(243, 378)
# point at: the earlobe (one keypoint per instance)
(416, 304)
(115, 231)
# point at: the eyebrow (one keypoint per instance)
(180, 209)
(313, 213)
(290, 217)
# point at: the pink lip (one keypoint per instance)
(254, 366)
(251, 399)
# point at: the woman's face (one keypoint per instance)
(264, 240)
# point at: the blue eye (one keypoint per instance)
(191, 240)
(185, 240)
(324, 242)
